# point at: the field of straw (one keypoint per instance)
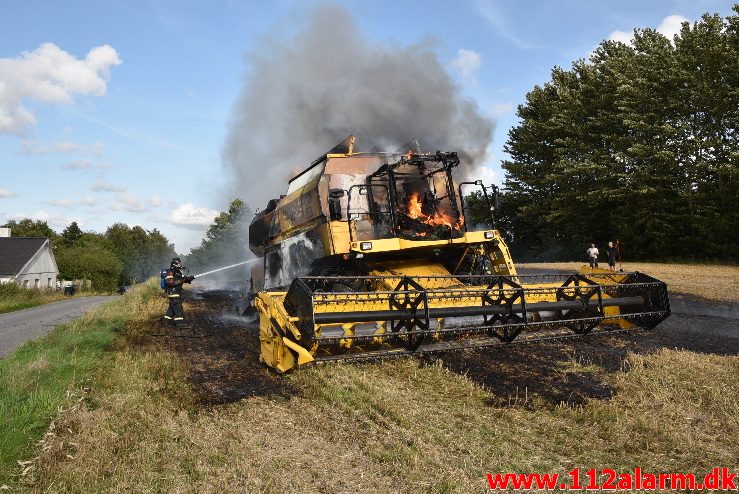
(396, 426)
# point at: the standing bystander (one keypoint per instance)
(611, 252)
(593, 256)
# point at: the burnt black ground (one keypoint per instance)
(222, 357)
(221, 353)
(547, 372)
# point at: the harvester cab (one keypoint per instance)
(377, 254)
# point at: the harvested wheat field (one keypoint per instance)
(194, 411)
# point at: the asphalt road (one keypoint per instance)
(21, 326)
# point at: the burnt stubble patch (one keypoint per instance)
(575, 370)
(533, 375)
(221, 353)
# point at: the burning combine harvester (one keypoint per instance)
(377, 254)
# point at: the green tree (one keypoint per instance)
(71, 234)
(90, 261)
(226, 241)
(143, 252)
(638, 143)
(30, 228)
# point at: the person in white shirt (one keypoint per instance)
(593, 256)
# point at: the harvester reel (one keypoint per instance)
(508, 293)
(654, 293)
(579, 287)
(410, 296)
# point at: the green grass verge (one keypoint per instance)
(36, 379)
(14, 297)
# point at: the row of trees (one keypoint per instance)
(124, 255)
(226, 241)
(121, 255)
(639, 143)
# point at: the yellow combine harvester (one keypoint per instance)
(377, 254)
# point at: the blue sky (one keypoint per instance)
(118, 110)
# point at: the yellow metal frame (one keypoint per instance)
(396, 244)
(279, 334)
(277, 349)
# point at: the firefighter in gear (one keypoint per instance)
(175, 316)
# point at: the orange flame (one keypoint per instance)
(415, 207)
(415, 211)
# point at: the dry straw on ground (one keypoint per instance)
(390, 427)
(397, 426)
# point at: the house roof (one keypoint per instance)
(15, 252)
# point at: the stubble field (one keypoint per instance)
(196, 412)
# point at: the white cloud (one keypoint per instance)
(49, 74)
(131, 134)
(77, 165)
(55, 220)
(7, 193)
(467, 62)
(130, 202)
(189, 215)
(91, 201)
(669, 27)
(621, 36)
(65, 203)
(85, 165)
(35, 147)
(158, 217)
(487, 175)
(488, 10)
(133, 204)
(101, 186)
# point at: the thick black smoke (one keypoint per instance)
(306, 93)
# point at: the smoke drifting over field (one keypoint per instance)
(304, 94)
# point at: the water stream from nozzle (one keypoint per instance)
(228, 267)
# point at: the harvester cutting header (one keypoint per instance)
(374, 254)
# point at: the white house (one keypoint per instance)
(28, 261)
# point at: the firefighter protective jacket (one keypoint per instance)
(174, 283)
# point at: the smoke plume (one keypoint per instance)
(305, 93)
